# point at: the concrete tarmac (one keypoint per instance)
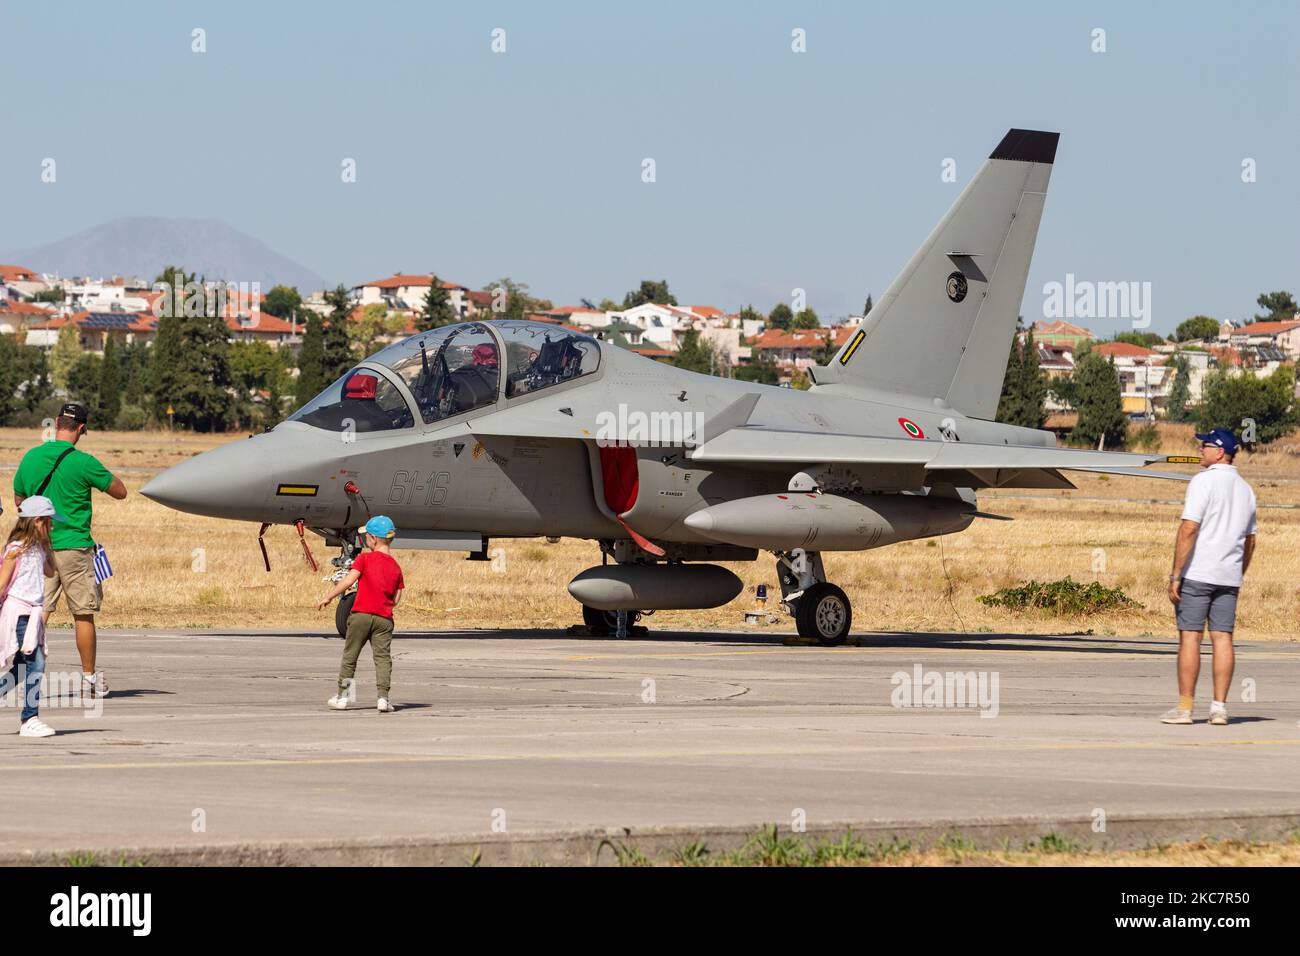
(532, 746)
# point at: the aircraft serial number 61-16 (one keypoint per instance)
(517, 429)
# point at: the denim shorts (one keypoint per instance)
(1199, 602)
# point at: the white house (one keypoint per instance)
(402, 292)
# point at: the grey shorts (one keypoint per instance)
(1199, 602)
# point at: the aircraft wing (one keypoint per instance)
(766, 446)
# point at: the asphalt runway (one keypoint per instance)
(217, 747)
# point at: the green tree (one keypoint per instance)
(761, 370)
(1100, 403)
(781, 317)
(365, 333)
(696, 354)
(1280, 305)
(807, 319)
(189, 369)
(337, 339)
(751, 314)
(1146, 340)
(514, 297)
(437, 310)
(110, 384)
(83, 385)
(1180, 392)
(1258, 410)
(257, 368)
(64, 355)
(282, 302)
(135, 373)
(866, 307)
(24, 379)
(1024, 386)
(1197, 327)
(649, 291)
(312, 379)
(10, 378)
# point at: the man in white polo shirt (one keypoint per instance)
(1216, 540)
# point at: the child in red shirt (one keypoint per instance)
(379, 582)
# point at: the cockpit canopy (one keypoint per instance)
(450, 371)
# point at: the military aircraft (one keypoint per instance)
(506, 429)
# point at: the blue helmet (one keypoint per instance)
(381, 526)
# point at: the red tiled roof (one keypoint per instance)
(1126, 349)
(17, 274)
(1060, 327)
(401, 279)
(1266, 328)
(803, 338)
(14, 307)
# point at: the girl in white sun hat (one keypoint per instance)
(27, 559)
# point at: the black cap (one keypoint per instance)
(74, 411)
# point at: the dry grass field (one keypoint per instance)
(1117, 531)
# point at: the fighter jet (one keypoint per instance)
(509, 429)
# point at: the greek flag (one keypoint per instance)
(103, 570)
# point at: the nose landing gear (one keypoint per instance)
(822, 611)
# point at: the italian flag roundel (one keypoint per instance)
(911, 427)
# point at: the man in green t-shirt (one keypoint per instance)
(64, 475)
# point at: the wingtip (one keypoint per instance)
(1027, 146)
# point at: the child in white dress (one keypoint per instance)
(27, 559)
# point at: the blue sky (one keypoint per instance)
(775, 170)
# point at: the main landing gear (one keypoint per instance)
(821, 610)
(609, 623)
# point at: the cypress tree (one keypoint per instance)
(110, 385)
(1024, 387)
(437, 309)
(311, 362)
(336, 344)
(1180, 393)
(1101, 405)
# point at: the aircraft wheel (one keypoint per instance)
(601, 623)
(823, 613)
(342, 611)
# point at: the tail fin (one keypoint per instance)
(943, 327)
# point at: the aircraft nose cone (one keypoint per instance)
(232, 481)
(700, 521)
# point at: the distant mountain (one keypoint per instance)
(143, 246)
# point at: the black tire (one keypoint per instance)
(600, 623)
(342, 611)
(823, 613)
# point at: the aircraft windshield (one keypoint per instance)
(449, 370)
(363, 400)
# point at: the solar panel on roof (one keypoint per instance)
(107, 320)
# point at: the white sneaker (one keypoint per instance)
(338, 702)
(1176, 716)
(384, 707)
(1219, 716)
(94, 685)
(35, 727)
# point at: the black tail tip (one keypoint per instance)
(1027, 146)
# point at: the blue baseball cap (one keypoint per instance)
(381, 526)
(1222, 437)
